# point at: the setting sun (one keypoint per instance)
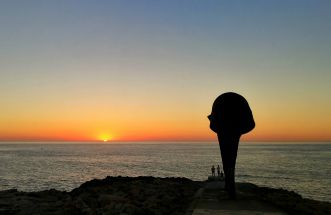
(105, 137)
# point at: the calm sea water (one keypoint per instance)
(304, 168)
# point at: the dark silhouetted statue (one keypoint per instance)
(231, 117)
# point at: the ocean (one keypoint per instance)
(303, 168)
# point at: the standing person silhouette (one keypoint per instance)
(218, 170)
(213, 171)
(231, 117)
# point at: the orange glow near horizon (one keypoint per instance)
(157, 121)
(152, 130)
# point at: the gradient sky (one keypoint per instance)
(150, 70)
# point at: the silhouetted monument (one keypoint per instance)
(231, 117)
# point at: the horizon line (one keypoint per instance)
(159, 141)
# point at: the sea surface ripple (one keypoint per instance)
(304, 168)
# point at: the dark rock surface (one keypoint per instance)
(289, 201)
(112, 195)
(141, 195)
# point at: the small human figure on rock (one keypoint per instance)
(213, 171)
(230, 118)
(218, 170)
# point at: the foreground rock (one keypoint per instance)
(288, 201)
(145, 196)
(112, 195)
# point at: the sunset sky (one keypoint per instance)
(150, 70)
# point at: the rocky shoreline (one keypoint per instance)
(140, 195)
(112, 195)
